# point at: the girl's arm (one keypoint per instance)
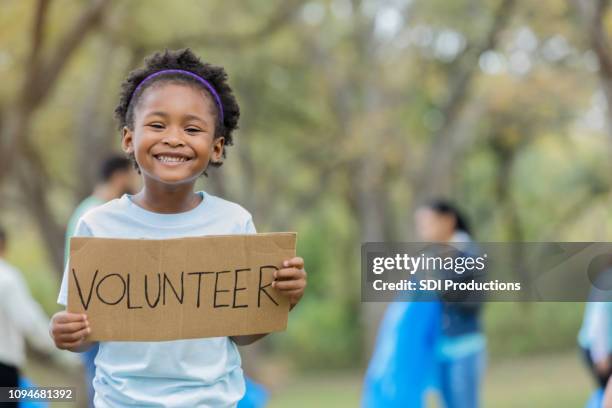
(249, 339)
(290, 281)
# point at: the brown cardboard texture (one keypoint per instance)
(154, 290)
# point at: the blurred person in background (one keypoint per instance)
(595, 336)
(21, 319)
(461, 348)
(433, 341)
(117, 177)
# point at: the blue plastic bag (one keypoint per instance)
(25, 383)
(403, 362)
(596, 399)
(255, 396)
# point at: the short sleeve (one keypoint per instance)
(81, 230)
(250, 227)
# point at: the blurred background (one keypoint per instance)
(353, 113)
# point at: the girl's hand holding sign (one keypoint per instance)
(291, 280)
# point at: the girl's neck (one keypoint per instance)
(169, 199)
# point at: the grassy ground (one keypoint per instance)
(544, 381)
(557, 380)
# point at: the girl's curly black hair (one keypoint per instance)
(186, 60)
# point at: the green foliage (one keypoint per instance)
(340, 107)
(321, 334)
(530, 328)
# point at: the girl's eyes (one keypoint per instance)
(159, 126)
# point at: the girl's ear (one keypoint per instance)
(218, 146)
(127, 141)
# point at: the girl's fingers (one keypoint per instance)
(289, 285)
(65, 317)
(289, 273)
(294, 293)
(70, 327)
(70, 345)
(296, 262)
(73, 336)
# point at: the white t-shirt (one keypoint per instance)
(21, 318)
(182, 373)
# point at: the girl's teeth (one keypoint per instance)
(171, 159)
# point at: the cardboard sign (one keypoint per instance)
(154, 290)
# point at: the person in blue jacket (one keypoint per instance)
(430, 342)
(461, 349)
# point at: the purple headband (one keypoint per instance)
(189, 74)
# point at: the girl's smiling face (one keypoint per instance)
(173, 137)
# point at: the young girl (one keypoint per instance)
(176, 115)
